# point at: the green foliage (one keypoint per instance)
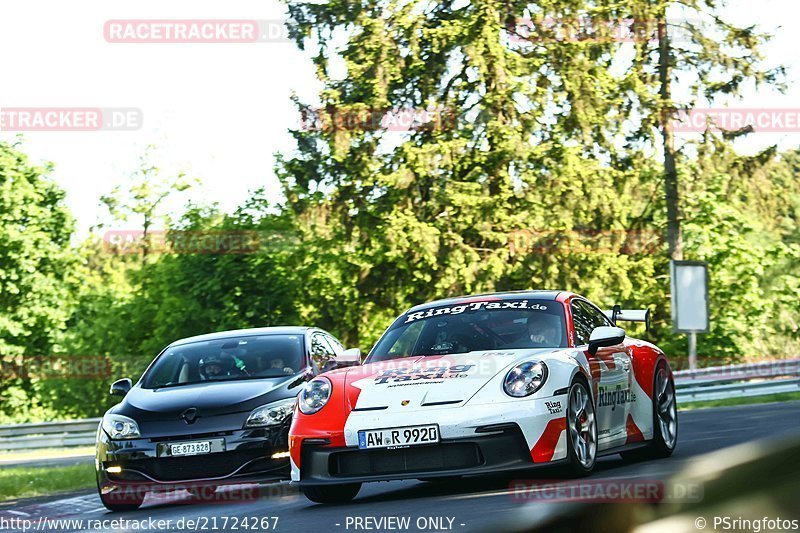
(533, 162)
(191, 294)
(738, 219)
(35, 259)
(36, 269)
(552, 140)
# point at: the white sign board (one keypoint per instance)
(689, 296)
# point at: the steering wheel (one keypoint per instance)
(489, 331)
(461, 341)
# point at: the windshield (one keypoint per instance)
(474, 326)
(228, 359)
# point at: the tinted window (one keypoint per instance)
(473, 326)
(585, 318)
(336, 345)
(582, 323)
(228, 359)
(321, 350)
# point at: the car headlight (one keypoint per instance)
(272, 414)
(120, 427)
(525, 379)
(314, 395)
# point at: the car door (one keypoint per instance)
(613, 392)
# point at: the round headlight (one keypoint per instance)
(525, 379)
(314, 396)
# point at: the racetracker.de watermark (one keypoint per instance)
(596, 30)
(195, 31)
(194, 493)
(181, 242)
(19, 119)
(55, 367)
(760, 120)
(585, 240)
(362, 118)
(606, 491)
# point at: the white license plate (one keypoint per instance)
(398, 437)
(190, 448)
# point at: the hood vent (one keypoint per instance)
(448, 402)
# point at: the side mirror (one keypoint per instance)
(349, 357)
(605, 336)
(121, 387)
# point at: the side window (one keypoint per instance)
(321, 351)
(335, 344)
(582, 323)
(597, 317)
(585, 318)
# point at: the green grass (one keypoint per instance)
(23, 482)
(767, 398)
(46, 453)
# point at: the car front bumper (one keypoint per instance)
(502, 450)
(244, 455)
(475, 439)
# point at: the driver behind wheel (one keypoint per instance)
(216, 367)
(544, 331)
(279, 365)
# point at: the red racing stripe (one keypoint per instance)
(544, 448)
(644, 362)
(634, 433)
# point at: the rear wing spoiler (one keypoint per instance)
(629, 315)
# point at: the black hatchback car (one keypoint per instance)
(210, 410)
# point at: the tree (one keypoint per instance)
(36, 268)
(553, 126)
(710, 56)
(526, 144)
(194, 293)
(145, 196)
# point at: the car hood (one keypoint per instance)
(441, 381)
(209, 399)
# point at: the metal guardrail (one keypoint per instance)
(744, 380)
(18, 437)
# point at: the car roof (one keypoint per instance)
(275, 330)
(509, 295)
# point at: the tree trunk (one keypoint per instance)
(674, 238)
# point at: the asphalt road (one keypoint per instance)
(463, 505)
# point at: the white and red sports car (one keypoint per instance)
(485, 384)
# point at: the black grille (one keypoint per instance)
(196, 467)
(406, 460)
(193, 436)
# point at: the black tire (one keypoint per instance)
(660, 447)
(120, 503)
(126, 498)
(576, 467)
(332, 494)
